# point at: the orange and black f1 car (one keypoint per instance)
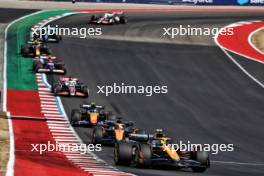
(112, 131)
(146, 150)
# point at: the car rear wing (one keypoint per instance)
(139, 137)
(31, 42)
(89, 105)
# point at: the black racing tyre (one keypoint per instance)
(45, 50)
(97, 135)
(56, 89)
(123, 20)
(85, 90)
(25, 50)
(35, 63)
(203, 158)
(123, 153)
(37, 67)
(145, 153)
(57, 38)
(75, 116)
(65, 71)
(93, 18)
(107, 115)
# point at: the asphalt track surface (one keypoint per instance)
(8, 15)
(209, 100)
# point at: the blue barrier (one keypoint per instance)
(195, 2)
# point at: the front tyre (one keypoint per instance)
(144, 155)
(203, 158)
(75, 117)
(97, 135)
(123, 20)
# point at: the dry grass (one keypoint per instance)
(258, 40)
(4, 145)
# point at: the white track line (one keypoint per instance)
(235, 62)
(50, 109)
(238, 163)
(51, 106)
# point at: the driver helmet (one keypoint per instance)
(93, 105)
(159, 133)
(119, 126)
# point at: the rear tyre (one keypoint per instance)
(64, 70)
(58, 38)
(85, 90)
(35, 63)
(144, 158)
(123, 153)
(93, 18)
(24, 51)
(123, 20)
(97, 135)
(75, 116)
(37, 67)
(56, 89)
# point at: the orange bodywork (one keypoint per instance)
(93, 118)
(171, 152)
(119, 134)
(37, 52)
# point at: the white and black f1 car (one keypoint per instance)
(48, 64)
(68, 86)
(109, 18)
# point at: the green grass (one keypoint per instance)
(20, 75)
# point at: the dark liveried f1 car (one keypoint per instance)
(146, 150)
(111, 131)
(33, 49)
(46, 35)
(89, 114)
(109, 18)
(68, 86)
(48, 64)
